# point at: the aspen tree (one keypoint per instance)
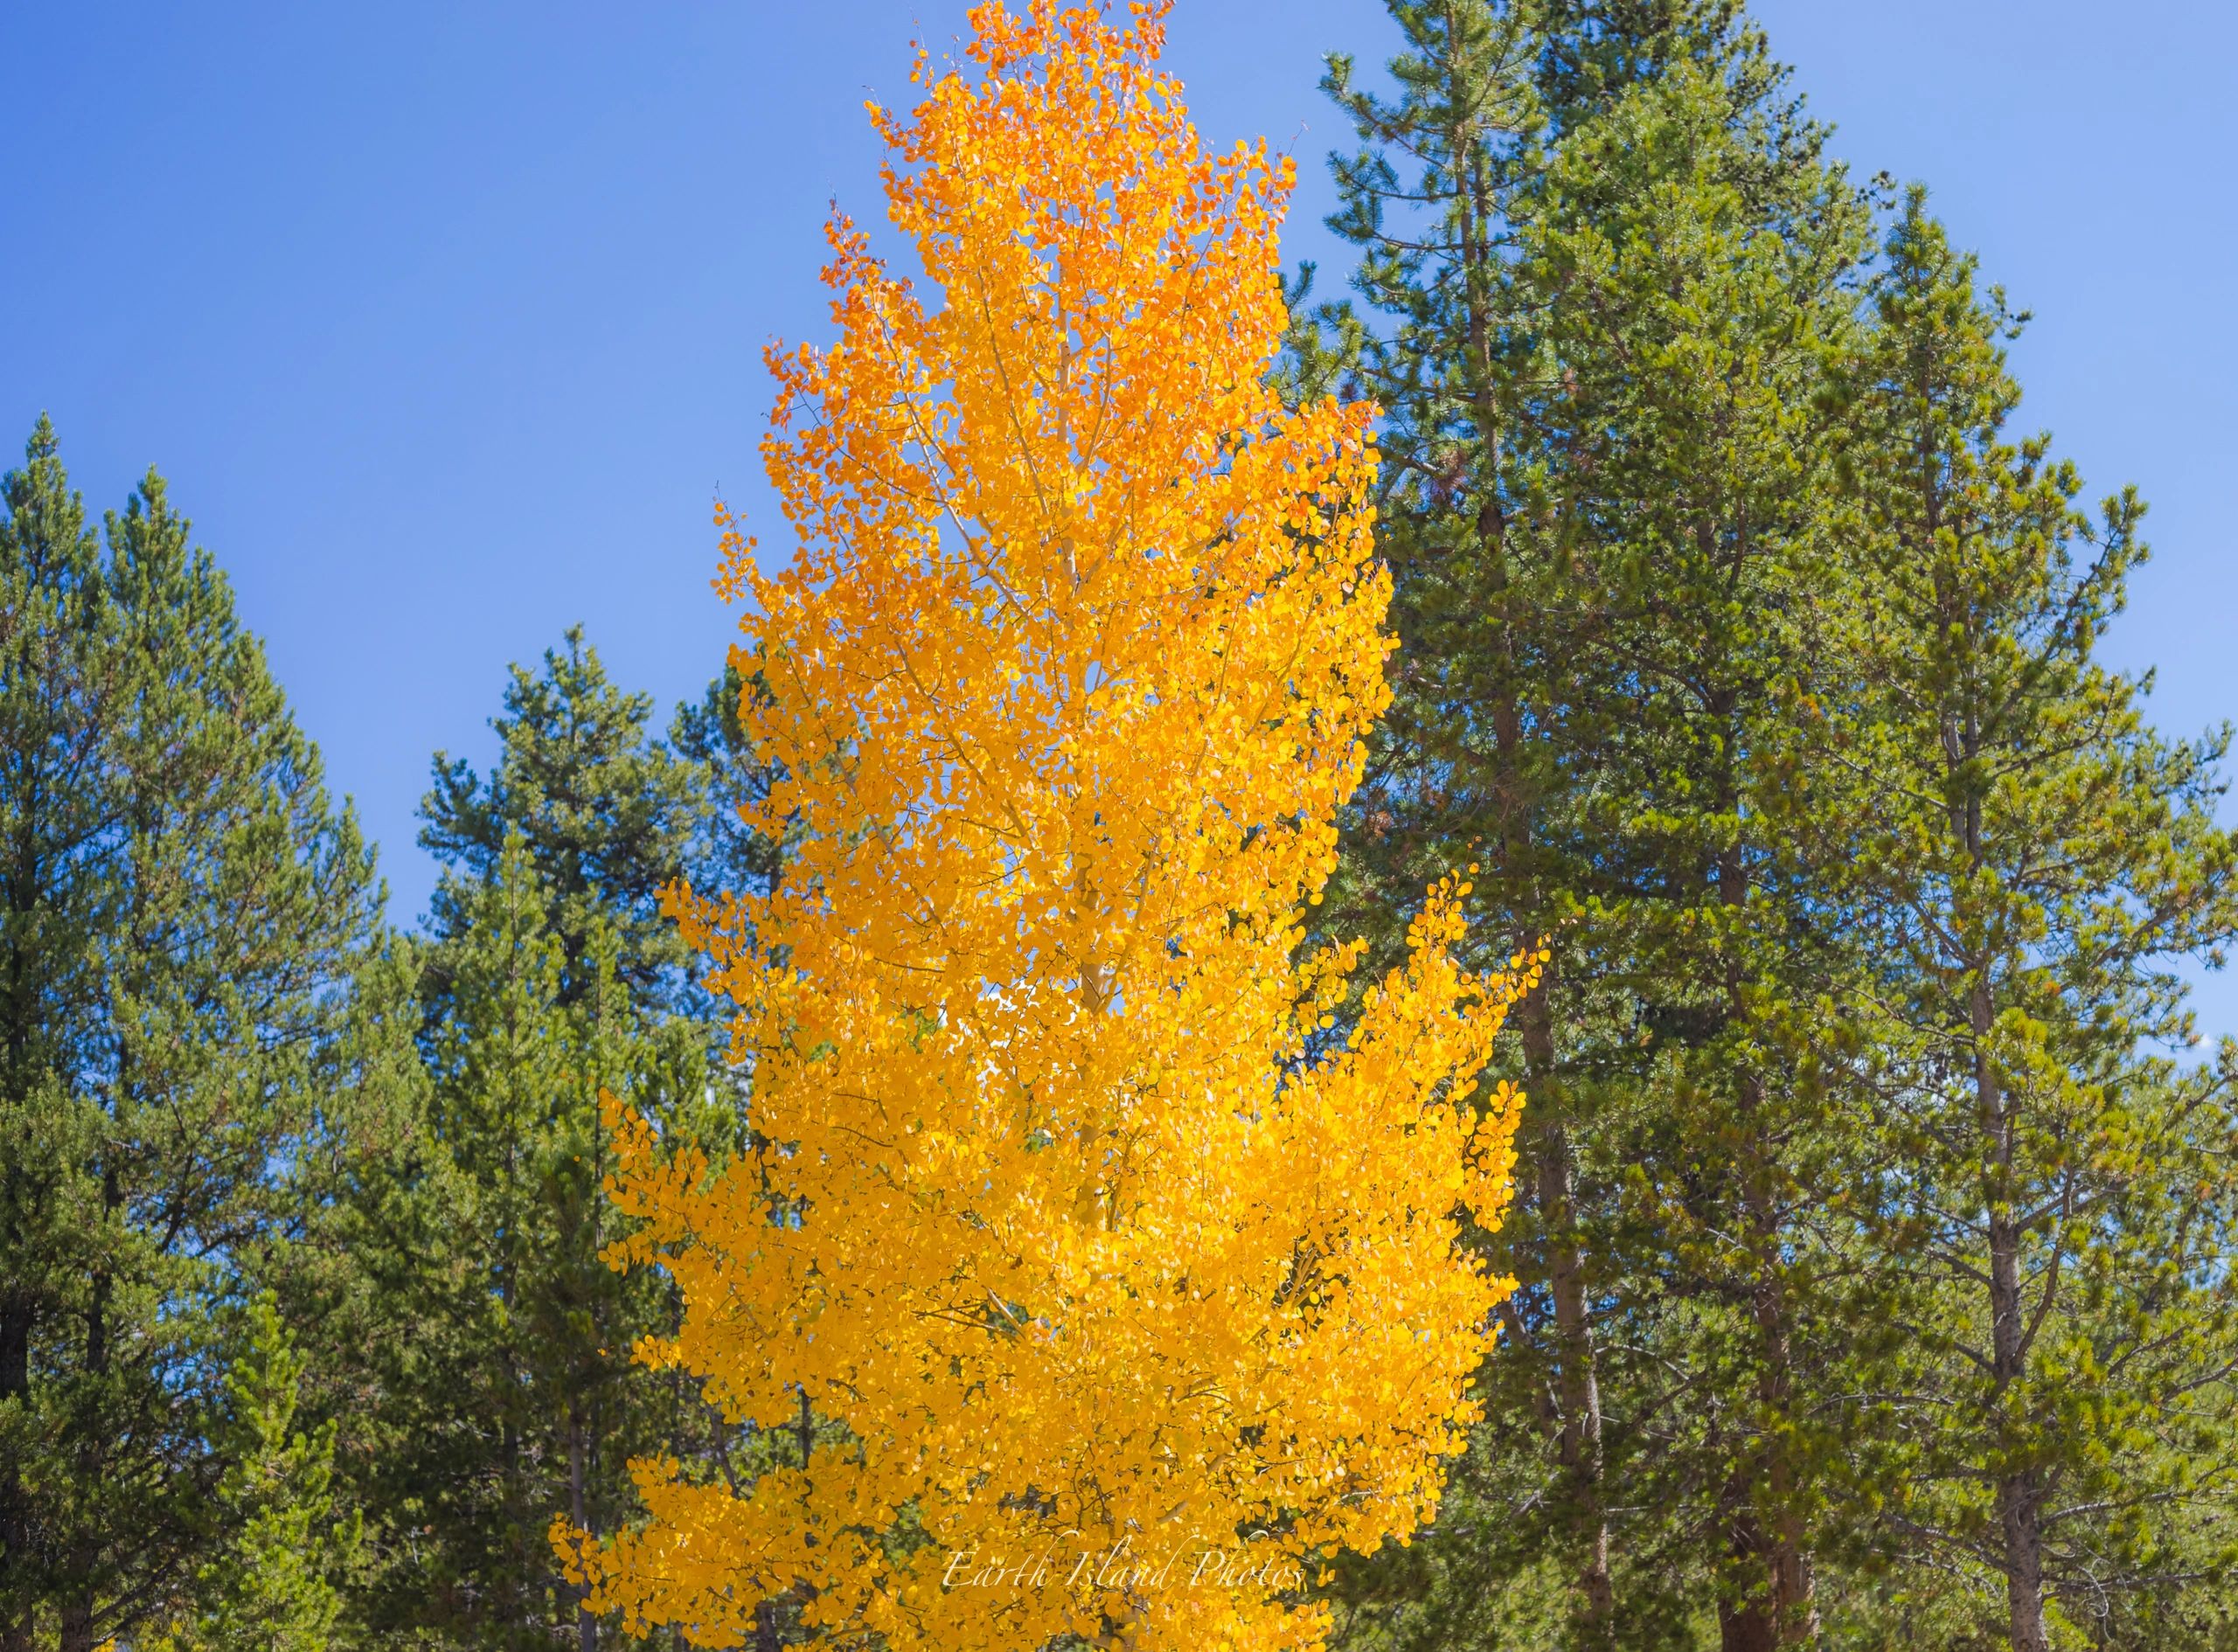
(1094, 1281)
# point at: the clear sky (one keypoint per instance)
(444, 320)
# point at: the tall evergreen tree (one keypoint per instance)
(550, 975)
(1702, 264)
(182, 905)
(1605, 287)
(1465, 763)
(2035, 858)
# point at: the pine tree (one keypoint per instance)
(483, 1232)
(182, 908)
(1078, 1224)
(545, 978)
(1594, 51)
(1707, 266)
(1595, 311)
(274, 1582)
(2035, 858)
(609, 816)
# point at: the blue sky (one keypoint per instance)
(444, 320)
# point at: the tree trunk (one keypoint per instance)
(78, 1628)
(2018, 1499)
(1789, 1606)
(1578, 1382)
(79, 1614)
(586, 1625)
(2016, 1508)
(1750, 1625)
(18, 1310)
(1782, 1611)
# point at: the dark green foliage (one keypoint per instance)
(1464, 766)
(1597, 315)
(508, 1407)
(550, 978)
(182, 908)
(1593, 51)
(2031, 858)
(1706, 271)
(609, 815)
(1676, 642)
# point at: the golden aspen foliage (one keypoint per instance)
(1104, 1282)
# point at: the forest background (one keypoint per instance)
(434, 1089)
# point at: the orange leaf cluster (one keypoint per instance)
(1121, 1285)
